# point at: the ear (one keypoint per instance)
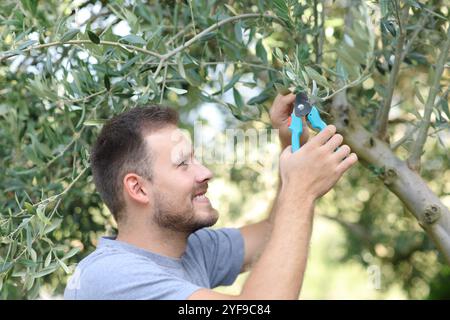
(136, 188)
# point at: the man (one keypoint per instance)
(155, 188)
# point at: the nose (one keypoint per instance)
(204, 174)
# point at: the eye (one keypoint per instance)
(184, 163)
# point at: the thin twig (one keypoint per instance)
(75, 42)
(364, 75)
(57, 196)
(208, 30)
(383, 113)
(82, 99)
(163, 84)
(216, 26)
(414, 159)
(417, 29)
(192, 16)
(402, 140)
(180, 33)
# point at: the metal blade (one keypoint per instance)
(302, 107)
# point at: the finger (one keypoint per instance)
(347, 163)
(342, 152)
(334, 142)
(323, 136)
(289, 98)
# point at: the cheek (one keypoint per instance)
(181, 186)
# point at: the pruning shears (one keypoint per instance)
(302, 108)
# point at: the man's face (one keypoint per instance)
(179, 183)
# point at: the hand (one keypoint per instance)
(314, 169)
(279, 113)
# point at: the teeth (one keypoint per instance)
(200, 197)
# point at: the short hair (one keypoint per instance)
(121, 149)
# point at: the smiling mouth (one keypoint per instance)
(201, 197)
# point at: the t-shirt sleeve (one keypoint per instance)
(221, 251)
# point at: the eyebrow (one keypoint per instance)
(183, 156)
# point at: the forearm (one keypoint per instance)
(284, 142)
(278, 274)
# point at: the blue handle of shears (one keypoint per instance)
(296, 126)
(315, 120)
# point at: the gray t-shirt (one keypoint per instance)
(118, 270)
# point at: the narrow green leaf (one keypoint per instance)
(40, 211)
(26, 44)
(95, 122)
(5, 266)
(180, 64)
(177, 90)
(71, 253)
(261, 98)
(207, 36)
(48, 259)
(261, 51)
(238, 32)
(232, 10)
(281, 9)
(46, 271)
(133, 39)
(313, 74)
(193, 77)
(444, 106)
(93, 37)
(229, 85)
(64, 266)
(282, 89)
(69, 35)
(33, 255)
(238, 99)
(340, 70)
(107, 82)
(56, 222)
(29, 239)
(29, 281)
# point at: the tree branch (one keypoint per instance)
(75, 42)
(432, 215)
(383, 113)
(318, 40)
(208, 30)
(214, 27)
(418, 28)
(414, 159)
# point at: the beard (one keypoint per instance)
(180, 216)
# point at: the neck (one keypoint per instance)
(154, 238)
